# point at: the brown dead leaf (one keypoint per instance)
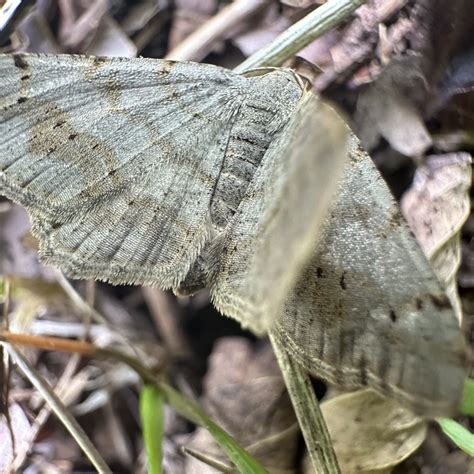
(111, 40)
(370, 434)
(389, 108)
(245, 394)
(437, 204)
(20, 427)
(360, 41)
(17, 257)
(436, 207)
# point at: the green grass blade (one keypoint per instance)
(467, 404)
(459, 435)
(245, 463)
(152, 410)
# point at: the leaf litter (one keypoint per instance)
(385, 67)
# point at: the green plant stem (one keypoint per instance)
(308, 413)
(300, 34)
(152, 414)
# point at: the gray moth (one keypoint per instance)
(185, 176)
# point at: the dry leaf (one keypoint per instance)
(371, 433)
(21, 428)
(110, 40)
(385, 108)
(436, 207)
(245, 394)
(270, 24)
(17, 257)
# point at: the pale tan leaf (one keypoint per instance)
(371, 433)
(437, 204)
(436, 207)
(385, 109)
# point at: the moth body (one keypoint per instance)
(184, 175)
(263, 113)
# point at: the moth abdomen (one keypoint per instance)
(264, 112)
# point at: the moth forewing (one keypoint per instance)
(119, 157)
(275, 228)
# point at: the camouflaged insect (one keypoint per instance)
(185, 176)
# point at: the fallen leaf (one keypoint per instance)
(370, 434)
(245, 394)
(110, 40)
(388, 108)
(436, 207)
(17, 258)
(20, 427)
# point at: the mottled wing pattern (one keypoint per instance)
(115, 159)
(368, 310)
(275, 227)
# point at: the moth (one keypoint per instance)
(185, 176)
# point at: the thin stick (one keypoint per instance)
(164, 312)
(59, 409)
(302, 33)
(197, 45)
(307, 411)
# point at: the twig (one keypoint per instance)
(365, 36)
(6, 373)
(77, 299)
(302, 33)
(59, 409)
(165, 316)
(181, 405)
(85, 308)
(196, 46)
(307, 411)
(43, 415)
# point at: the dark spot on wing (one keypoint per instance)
(440, 301)
(342, 281)
(419, 304)
(25, 77)
(393, 316)
(19, 61)
(319, 272)
(72, 136)
(59, 123)
(396, 220)
(21, 100)
(363, 370)
(166, 68)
